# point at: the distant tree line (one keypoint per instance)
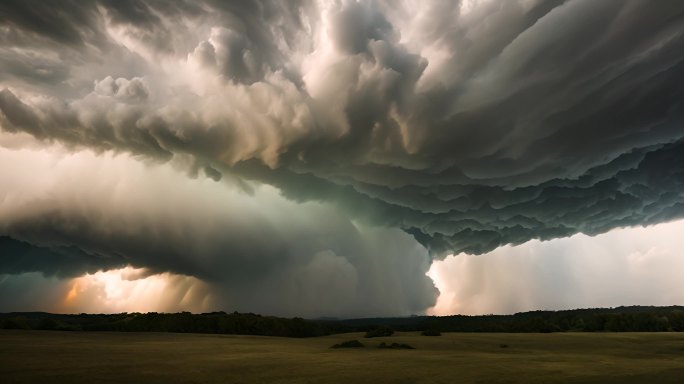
(183, 322)
(621, 319)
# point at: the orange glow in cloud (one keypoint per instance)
(136, 290)
(72, 294)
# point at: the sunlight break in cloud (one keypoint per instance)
(134, 290)
(633, 266)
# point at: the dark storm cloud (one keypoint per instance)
(61, 261)
(70, 23)
(258, 252)
(466, 127)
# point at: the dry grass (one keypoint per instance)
(75, 357)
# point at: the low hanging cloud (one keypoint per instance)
(254, 252)
(464, 125)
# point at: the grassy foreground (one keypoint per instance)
(76, 357)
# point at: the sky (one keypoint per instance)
(341, 158)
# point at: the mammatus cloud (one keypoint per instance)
(463, 125)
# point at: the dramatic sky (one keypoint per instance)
(341, 158)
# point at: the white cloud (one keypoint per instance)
(627, 266)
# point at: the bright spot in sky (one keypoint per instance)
(134, 290)
(626, 266)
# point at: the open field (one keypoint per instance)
(78, 357)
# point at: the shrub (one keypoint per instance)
(384, 345)
(379, 332)
(16, 322)
(47, 324)
(349, 344)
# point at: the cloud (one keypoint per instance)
(133, 90)
(104, 292)
(464, 125)
(253, 252)
(628, 266)
(61, 261)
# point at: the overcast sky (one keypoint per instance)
(340, 158)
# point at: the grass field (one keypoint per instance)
(76, 357)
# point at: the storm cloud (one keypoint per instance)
(254, 252)
(344, 142)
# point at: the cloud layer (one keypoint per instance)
(256, 252)
(337, 131)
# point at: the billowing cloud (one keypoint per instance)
(464, 125)
(254, 251)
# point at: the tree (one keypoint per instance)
(381, 331)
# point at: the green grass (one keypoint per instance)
(77, 357)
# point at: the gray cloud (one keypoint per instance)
(70, 23)
(465, 128)
(257, 252)
(61, 261)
